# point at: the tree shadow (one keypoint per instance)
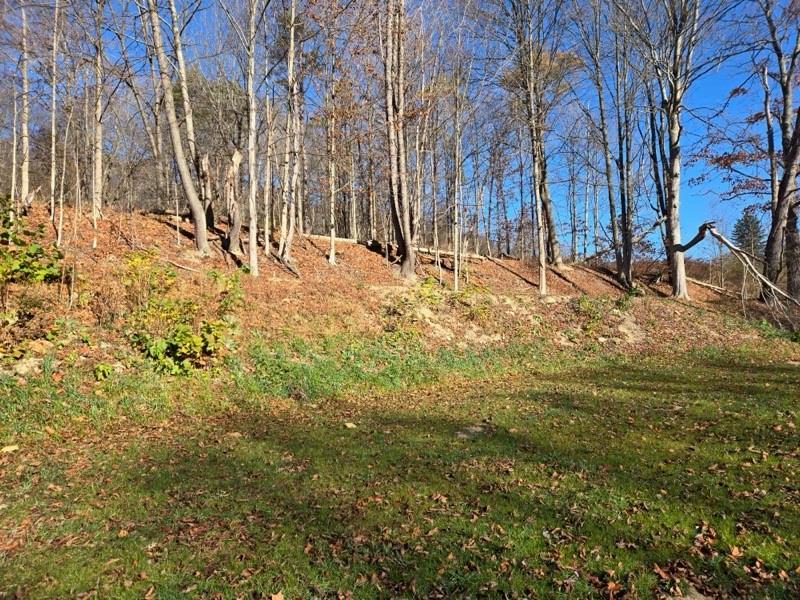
(405, 504)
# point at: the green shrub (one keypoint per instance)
(144, 278)
(592, 309)
(170, 331)
(24, 257)
(474, 301)
(229, 289)
(102, 371)
(770, 331)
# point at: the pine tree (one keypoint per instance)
(748, 233)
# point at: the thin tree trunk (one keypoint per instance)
(195, 205)
(60, 226)
(268, 182)
(288, 191)
(24, 186)
(97, 153)
(331, 138)
(252, 185)
(188, 114)
(14, 208)
(53, 105)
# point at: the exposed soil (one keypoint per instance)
(363, 294)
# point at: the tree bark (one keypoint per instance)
(394, 94)
(24, 175)
(195, 205)
(53, 106)
(232, 203)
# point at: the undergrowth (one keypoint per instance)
(174, 333)
(341, 365)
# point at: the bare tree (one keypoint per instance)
(24, 179)
(195, 205)
(393, 56)
(673, 38)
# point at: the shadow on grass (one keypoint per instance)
(574, 487)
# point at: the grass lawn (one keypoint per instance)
(554, 477)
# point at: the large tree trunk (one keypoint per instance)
(195, 205)
(232, 204)
(793, 252)
(394, 90)
(678, 273)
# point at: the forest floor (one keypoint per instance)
(362, 437)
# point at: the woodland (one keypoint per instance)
(399, 299)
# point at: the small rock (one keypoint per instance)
(28, 366)
(40, 346)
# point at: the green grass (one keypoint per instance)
(466, 474)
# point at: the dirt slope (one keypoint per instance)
(362, 294)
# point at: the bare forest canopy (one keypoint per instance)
(554, 130)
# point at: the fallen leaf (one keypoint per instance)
(350, 425)
(661, 572)
(9, 449)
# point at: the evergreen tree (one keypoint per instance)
(748, 233)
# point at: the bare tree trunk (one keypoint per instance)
(456, 183)
(793, 252)
(14, 208)
(300, 195)
(195, 205)
(208, 189)
(354, 234)
(53, 104)
(331, 139)
(679, 285)
(24, 185)
(60, 226)
(188, 114)
(393, 51)
(97, 152)
(373, 219)
(540, 229)
(232, 203)
(289, 183)
(252, 185)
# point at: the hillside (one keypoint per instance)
(170, 427)
(362, 294)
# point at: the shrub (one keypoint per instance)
(24, 257)
(173, 332)
(102, 371)
(144, 277)
(770, 331)
(474, 300)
